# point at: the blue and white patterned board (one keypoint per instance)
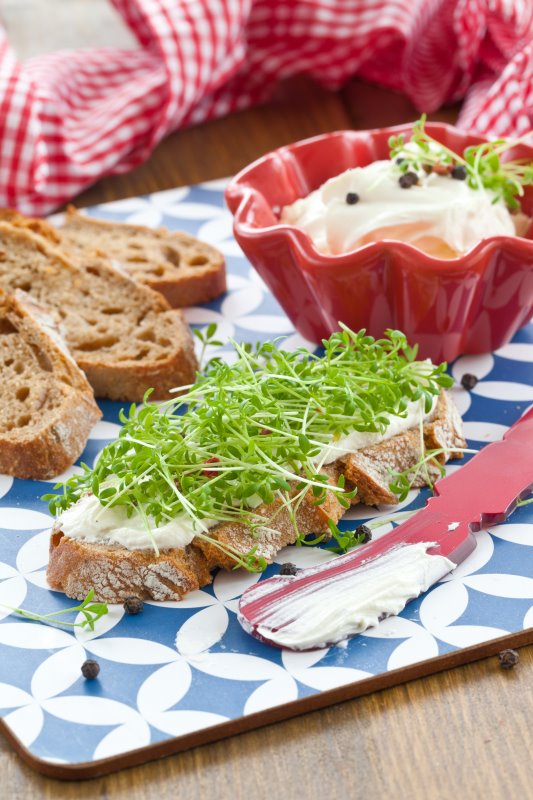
(181, 667)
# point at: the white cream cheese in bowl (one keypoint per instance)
(439, 215)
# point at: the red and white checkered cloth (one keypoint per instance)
(70, 117)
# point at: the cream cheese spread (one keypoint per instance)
(90, 521)
(329, 611)
(437, 210)
(357, 440)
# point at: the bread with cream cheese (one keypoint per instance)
(76, 566)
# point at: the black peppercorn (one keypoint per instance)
(400, 160)
(352, 198)
(90, 669)
(133, 605)
(459, 173)
(288, 569)
(408, 180)
(468, 381)
(365, 532)
(508, 659)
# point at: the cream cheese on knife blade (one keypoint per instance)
(333, 610)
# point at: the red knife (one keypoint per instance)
(308, 610)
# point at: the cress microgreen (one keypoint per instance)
(485, 168)
(207, 337)
(90, 611)
(345, 539)
(244, 443)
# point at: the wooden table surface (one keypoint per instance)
(465, 733)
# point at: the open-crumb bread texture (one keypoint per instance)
(47, 407)
(116, 573)
(123, 335)
(185, 270)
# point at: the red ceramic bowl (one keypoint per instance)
(470, 304)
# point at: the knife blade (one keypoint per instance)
(328, 603)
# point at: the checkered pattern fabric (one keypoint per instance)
(70, 117)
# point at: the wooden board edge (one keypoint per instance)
(94, 769)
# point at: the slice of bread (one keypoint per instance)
(115, 573)
(47, 407)
(122, 334)
(183, 269)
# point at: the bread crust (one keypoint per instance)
(369, 469)
(70, 567)
(55, 448)
(115, 573)
(38, 226)
(279, 533)
(197, 290)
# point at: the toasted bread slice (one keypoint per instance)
(123, 335)
(183, 269)
(47, 407)
(77, 566)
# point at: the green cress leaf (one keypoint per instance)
(484, 167)
(206, 337)
(254, 429)
(91, 612)
(401, 483)
(345, 539)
